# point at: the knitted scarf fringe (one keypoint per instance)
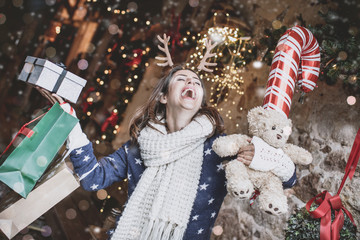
(162, 230)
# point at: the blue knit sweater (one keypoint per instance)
(126, 162)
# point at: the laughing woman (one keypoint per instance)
(176, 183)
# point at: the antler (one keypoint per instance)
(203, 64)
(165, 49)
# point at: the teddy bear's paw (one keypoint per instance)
(240, 189)
(272, 203)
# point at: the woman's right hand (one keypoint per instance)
(52, 97)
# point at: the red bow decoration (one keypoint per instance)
(112, 120)
(326, 202)
(135, 60)
(85, 104)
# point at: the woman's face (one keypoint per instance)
(185, 92)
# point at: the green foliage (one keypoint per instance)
(301, 226)
(270, 40)
(339, 40)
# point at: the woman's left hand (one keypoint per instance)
(246, 154)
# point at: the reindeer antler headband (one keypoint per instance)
(168, 62)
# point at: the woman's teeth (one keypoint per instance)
(188, 92)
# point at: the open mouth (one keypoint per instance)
(278, 136)
(188, 92)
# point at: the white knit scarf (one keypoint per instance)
(161, 203)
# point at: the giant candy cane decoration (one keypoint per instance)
(296, 61)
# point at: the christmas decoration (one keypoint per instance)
(329, 209)
(296, 47)
(234, 50)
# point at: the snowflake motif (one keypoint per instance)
(129, 176)
(138, 161)
(220, 167)
(213, 214)
(79, 151)
(211, 201)
(94, 186)
(126, 149)
(194, 218)
(200, 231)
(111, 159)
(208, 152)
(203, 186)
(86, 158)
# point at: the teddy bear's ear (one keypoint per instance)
(256, 113)
(289, 122)
(256, 119)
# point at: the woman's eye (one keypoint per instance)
(181, 79)
(198, 83)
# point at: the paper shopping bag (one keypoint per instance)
(28, 161)
(58, 184)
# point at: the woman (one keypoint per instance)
(176, 183)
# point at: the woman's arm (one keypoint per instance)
(93, 174)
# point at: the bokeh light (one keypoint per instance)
(50, 2)
(28, 237)
(194, 3)
(17, 3)
(132, 6)
(2, 18)
(70, 214)
(41, 161)
(257, 64)
(351, 100)
(46, 231)
(101, 194)
(84, 205)
(50, 52)
(113, 29)
(82, 64)
(217, 230)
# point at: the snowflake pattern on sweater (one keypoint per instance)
(126, 162)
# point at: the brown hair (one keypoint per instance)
(153, 108)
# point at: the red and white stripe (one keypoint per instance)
(296, 62)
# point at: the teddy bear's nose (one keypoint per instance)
(278, 136)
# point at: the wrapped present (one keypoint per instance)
(25, 164)
(52, 77)
(58, 183)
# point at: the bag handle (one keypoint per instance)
(24, 131)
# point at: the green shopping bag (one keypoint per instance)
(29, 160)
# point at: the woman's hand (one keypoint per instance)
(52, 97)
(246, 154)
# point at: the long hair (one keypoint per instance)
(153, 108)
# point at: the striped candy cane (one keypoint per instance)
(296, 61)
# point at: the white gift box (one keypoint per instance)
(52, 77)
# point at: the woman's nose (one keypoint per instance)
(190, 81)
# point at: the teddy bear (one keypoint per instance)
(273, 162)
